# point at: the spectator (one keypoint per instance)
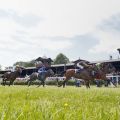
(77, 83)
(98, 83)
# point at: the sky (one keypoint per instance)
(86, 29)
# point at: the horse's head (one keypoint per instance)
(19, 69)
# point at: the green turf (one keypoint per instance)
(53, 103)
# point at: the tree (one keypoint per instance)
(61, 59)
(25, 64)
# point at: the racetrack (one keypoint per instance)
(53, 103)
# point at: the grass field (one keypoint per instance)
(52, 103)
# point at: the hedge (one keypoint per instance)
(48, 82)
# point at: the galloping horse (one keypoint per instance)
(85, 74)
(102, 70)
(11, 76)
(89, 73)
(41, 77)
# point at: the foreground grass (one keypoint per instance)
(52, 103)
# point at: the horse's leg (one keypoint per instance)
(29, 82)
(3, 82)
(59, 85)
(108, 82)
(39, 84)
(113, 83)
(57, 82)
(11, 82)
(43, 82)
(64, 83)
(87, 83)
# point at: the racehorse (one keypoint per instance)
(102, 70)
(85, 74)
(89, 73)
(41, 77)
(11, 76)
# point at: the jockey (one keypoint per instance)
(80, 67)
(14, 68)
(41, 72)
(42, 69)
